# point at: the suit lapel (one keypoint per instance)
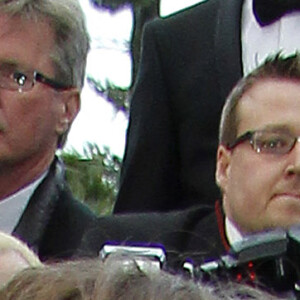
(33, 223)
(228, 45)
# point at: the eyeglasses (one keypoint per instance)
(268, 141)
(13, 79)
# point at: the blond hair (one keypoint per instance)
(11, 243)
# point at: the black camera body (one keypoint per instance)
(269, 260)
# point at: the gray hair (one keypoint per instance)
(71, 38)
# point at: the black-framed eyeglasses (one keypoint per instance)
(23, 80)
(268, 141)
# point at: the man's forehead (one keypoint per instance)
(12, 24)
(270, 102)
(26, 43)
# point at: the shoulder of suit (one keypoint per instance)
(194, 14)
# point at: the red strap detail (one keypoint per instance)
(220, 221)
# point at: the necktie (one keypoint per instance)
(269, 11)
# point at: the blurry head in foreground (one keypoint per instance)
(14, 257)
(119, 278)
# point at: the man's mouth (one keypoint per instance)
(287, 195)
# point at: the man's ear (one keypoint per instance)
(69, 107)
(223, 167)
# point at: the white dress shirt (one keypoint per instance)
(12, 207)
(258, 42)
(232, 233)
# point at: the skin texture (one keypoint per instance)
(262, 191)
(31, 121)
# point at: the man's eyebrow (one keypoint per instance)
(12, 63)
(277, 127)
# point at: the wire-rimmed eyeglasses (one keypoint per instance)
(268, 141)
(23, 80)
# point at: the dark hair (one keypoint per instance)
(278, 66)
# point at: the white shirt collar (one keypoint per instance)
(259, 42)
(232, 233)
(12, 207)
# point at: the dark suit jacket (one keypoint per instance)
(192, 233)
(53, 222)
(190, 62)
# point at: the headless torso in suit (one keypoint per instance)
(196, 233)
(190, 62)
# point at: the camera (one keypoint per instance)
(269, 260)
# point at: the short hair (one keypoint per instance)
(277, 66)
(71, 43)
(71, 38)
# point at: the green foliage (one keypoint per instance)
(94, 177)
(143, 11)
(115, 95)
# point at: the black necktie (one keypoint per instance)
(269, 11)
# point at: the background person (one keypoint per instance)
(117, 278)
(66, 280)
(258, 171)
(43, 49)
(189, 63)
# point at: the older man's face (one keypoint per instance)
(262, 190)
(30, 121)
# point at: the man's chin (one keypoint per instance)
(272, 225)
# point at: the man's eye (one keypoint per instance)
(19, 78)
(274, 143)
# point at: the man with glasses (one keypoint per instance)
(189, 63)
(258, 160)
(258, 172)
(43, 50)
